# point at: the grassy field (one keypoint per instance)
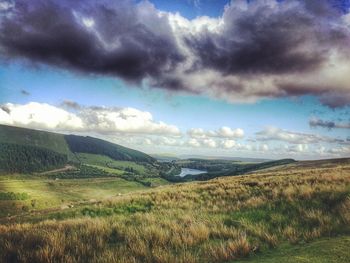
(46, 193)
(324, 250)
(102, 160)
(266, 217)
(118, 167)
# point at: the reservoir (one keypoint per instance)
(186, 171)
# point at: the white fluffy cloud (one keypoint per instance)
(340, 151)
(124, 120)
(209, 143)
(108, 121)
(264, 148)
(39, 115)
(228, 144)
(277, 134)
(139, 129)
(223, 132)
(193, 143)
(297, 148)
(85, 119)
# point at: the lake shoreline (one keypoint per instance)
(189, 171)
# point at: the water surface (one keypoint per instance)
(186, 171)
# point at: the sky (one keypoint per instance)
(264, 79)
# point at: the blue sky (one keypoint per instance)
(193, 8)
(302, 124)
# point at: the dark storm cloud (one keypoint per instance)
(315, 122)
(285, 42)
(260, 49)
(335, 99)
(261, 41)
(322, 123)
(326, 92)
(121, 40)
(271, 39)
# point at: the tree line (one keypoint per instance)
(25, 158)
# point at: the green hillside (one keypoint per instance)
(80, 144)
(25, 158)
(27, 150)
(43, 139)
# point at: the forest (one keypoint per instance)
(25, 158)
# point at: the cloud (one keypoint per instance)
(5, 5)
(264, 147)
(185, 142)
(39, 115)
(228, 144)
(298, 148)
(102, 120)
(204, 143)
(255, 50)
(167, 141)
(277, 134)
(196, 3)
(315, 122)
(340, 151)
(25, 93)
(265, 43)
(193, 143)
(71, 105)
(266, 49)
(223, 132)
(227, 132)
(120, 39)
(209, 143)
(111, 122)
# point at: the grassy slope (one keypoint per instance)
(81, 144)
(48, 140)
(125, 169)
(325, 250)
(67, 144)
(105, 161)
(49, 193)
(302, 165)
(215, 221)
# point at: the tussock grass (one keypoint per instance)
(215, 221)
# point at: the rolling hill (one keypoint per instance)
(27, 150)
(22, 136)
(80, 144)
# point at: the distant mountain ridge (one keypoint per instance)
(22, 149)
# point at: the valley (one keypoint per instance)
(220, 220)
(126, 206)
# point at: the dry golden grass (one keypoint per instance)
(215, 221)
